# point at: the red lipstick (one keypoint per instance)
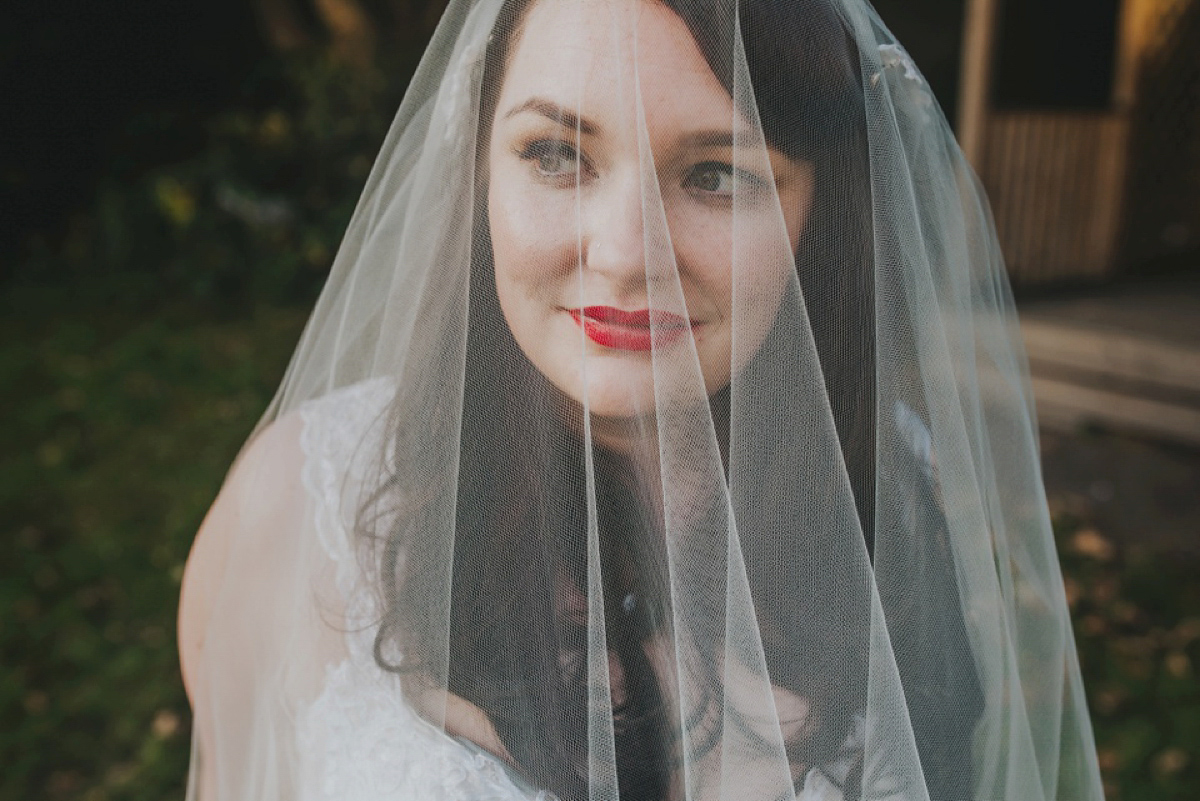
(630, 330)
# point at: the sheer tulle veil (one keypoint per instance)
(662, 432)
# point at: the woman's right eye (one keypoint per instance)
(551, 158)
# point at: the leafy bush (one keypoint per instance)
(258, 212)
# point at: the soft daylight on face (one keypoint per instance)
(594, 289)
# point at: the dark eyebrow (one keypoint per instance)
(555, 112)
(713, 138)
(568, 119)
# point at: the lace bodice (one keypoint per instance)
(360, 740)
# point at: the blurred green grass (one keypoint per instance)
(120, 425)
(1136, 613)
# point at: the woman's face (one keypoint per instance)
(610, 200)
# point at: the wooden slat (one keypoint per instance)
(1056, 182)
(979, 41)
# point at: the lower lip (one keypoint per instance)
(629, 337)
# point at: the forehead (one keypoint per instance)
(603, 54)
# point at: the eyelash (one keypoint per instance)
(539, 149)
(752, 182)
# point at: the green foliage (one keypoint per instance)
(258, 211)
(1137, 623)
(136, 352)
(117, 438)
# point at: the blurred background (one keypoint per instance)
(175, 178)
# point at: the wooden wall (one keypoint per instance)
(1056, 181)
(1070, 188)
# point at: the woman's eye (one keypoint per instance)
(551, 158)
(716, 178)
(711, 177)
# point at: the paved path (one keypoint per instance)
(1125, 357)
(1117, 380)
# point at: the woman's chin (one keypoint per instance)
(618, 398)
(631, 397)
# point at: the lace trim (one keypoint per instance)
(336, 427)
(360, 740)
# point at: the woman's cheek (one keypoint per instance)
(532, 236)
(517, 260)
(765, 265)
(754, 252)
(762, 267)
(703, 246)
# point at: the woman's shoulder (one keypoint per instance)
(300, 458)
(292, 455)
(256, 498)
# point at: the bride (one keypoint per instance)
(662, 433)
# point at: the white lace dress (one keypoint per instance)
(359, 740)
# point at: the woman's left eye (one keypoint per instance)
(717, 178)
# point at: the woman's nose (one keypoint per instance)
(615, 230)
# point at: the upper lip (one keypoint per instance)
(642, 318)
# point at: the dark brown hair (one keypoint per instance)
(516, 648)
